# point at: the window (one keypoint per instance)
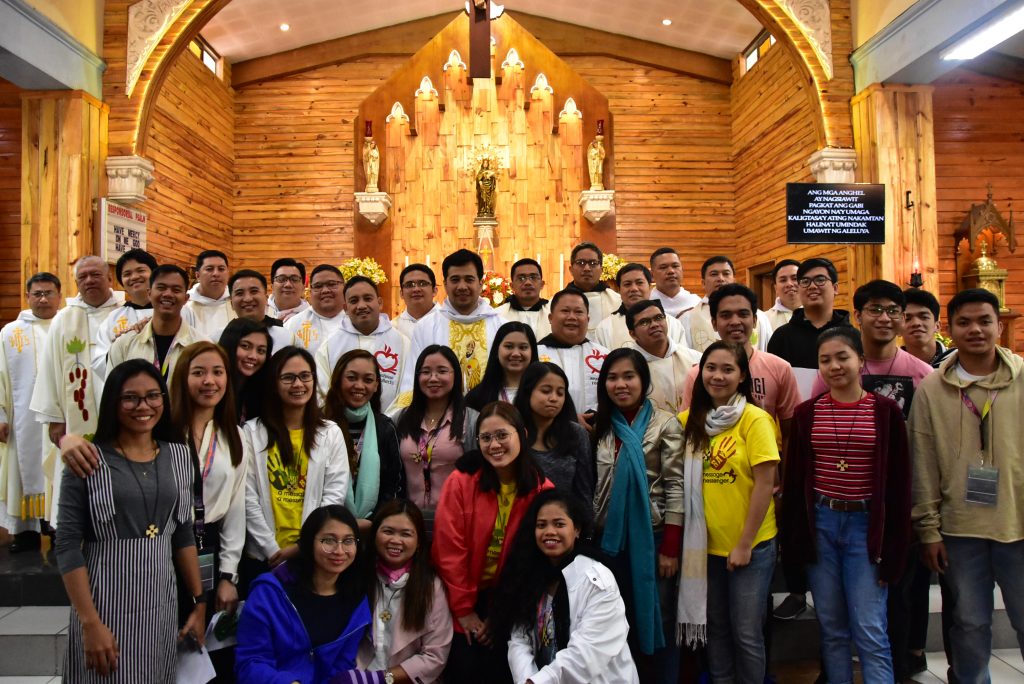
(755, 51)
(207, 55)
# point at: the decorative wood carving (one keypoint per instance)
(148, 21)
(815, 19)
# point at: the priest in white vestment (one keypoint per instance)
(668, 279)
(669, 362)
(287, 283)
(247, 292)
(585, 267)
(326, 312)
(418, 288)
(634, 282)
(568, 346)
(209, 302)
(526, 305)
(787, 293)
(132, 271)
(716, 272)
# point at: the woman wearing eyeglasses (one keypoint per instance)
(514, 348)
(435, 429)
(304, 621)
(480, 509)
(122, 532)
(298, 462)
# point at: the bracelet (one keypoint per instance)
(199, 600)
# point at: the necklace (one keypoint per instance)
(385, 613)
(152, 530)
(842, 466)
(888, 372)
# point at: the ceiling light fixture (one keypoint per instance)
(666, 22)
(986, 37)
(285, 27)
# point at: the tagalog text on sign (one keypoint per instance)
(121, 228)
(835, 213)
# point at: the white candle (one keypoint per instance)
(428, 261)
(515, 257)
(538, 257)
(406, 259)
(561, 270)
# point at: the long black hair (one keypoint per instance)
(334, 405)
(560, 434)
(418, 597)
(350, 582)
(493, 382)
(528, 474)
(248, 391)
(107, 425)
(411, 419)
(528, 573)
(273, 414)
(605, 405)
(694, 432)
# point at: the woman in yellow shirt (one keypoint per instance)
(729, 536)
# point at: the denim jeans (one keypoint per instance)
(737, 608)
(848, 600)
(975, 565)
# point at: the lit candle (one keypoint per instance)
(561, 270)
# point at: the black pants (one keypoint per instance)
(474, 662)
(908, 613)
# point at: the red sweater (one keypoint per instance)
(889, 531)
(463, 527)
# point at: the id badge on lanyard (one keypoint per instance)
(206, 571)
(982, 480)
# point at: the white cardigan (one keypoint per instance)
(597, 652)
(224, 495)
(327, 478)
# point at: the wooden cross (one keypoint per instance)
(480, 39)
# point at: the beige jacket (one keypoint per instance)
(945, 441)
(663, 452)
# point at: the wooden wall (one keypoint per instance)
(191, 143)
(10, 201)
(979, 139)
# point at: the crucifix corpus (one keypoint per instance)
(480, 39)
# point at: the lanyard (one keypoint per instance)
(210, 453)
(167, 359)
(427, 440)
(983, 414)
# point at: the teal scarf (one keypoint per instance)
(629, 528)
(364, 490)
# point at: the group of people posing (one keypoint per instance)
(592, 488)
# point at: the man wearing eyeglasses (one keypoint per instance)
(526, 305)
(132, 271)
(313, 326)
(668, 360)
(797, 341)
(162, 339)
(716, 272)
(634, 283)
(208, 309)
(287, 282)
(585, 264)
(21, 343)
(418, 289)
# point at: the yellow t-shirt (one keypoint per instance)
(287, 490)
(729, 479)
(506, 495)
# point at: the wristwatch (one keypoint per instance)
(196, 600)
(229, 576)
(389, 677)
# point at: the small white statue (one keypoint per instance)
(595, 163)
(371, 164)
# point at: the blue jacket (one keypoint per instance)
(274, 646)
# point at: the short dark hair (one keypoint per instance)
(208, 254)
(844, 334)
(878, 289)
(634, 311)
(731, 290)
(662, 250)
(525, 262)
(783, 264)
(42, 277)
(287, 261)
(246, 273)
(916, 295)
(326, 267)
(629, 268)
(575, 292)
(164, 269)
(818, 262)
(462, 257)
(974, 295)
(355, 280)
(586, 245)
(350, 582)
(139, 255)
(418, 267)
(717, 259)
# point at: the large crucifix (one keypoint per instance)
(480, 39)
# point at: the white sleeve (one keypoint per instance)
(336, 471)
(232, 531)
(323, 371)
(520, 656)
(255, 522)
(6, 392)
(46, 396)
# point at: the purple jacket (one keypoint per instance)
(889, 531)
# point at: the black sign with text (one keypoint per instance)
(835, 213)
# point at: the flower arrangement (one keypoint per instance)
(496, 288)
(367, 267)
(610, 266)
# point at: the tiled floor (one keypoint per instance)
(1006, 666)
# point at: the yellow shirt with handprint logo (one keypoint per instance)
(729, 479)
(287, 490)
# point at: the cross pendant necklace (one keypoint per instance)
(842, 465)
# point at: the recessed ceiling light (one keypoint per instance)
(285, 27)
(666, 22)
(986, 37)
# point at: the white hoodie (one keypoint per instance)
(389, 347)
(206, 315)
(311, 329)
(683, 301)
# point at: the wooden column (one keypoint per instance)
(64, 145)
(895, 143)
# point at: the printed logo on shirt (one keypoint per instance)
(594, 360)
(387, 360)
(899, 388)
(19, 340)
(717, 458)
(307, 334)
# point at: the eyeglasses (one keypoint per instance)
(439, 372)
(415, 284)
(527, 277)
(327, 285)
(501, 436)
(330, 544)
(819, 281)
(644, 322)
(584, 263)
(892, 311)
(130, 402)
(290, 378)
(293, 279)
(43, 294)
